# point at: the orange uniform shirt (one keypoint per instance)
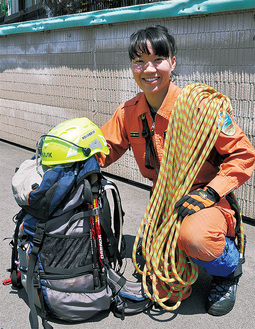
(229, 165)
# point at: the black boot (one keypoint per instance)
(222, 296)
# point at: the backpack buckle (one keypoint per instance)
(36, 281)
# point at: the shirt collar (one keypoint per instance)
(167, 105)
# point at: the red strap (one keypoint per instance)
(8, 281)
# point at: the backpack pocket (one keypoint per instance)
(66, 254)
(75, 299)
(72, 284)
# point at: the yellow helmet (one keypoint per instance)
(70, 141)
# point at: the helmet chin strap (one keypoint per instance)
(86, 150)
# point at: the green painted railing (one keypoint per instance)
(147, 11)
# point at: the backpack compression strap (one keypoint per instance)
(14, 268)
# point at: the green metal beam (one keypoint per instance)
(164, 9)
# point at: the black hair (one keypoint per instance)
(163, 43)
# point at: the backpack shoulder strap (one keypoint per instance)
(114, 235)
(118, 211)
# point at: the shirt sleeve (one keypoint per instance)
(238, 161)
(116, 137)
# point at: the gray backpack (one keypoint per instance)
(68, 245)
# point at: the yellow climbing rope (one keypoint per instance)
(193, 128)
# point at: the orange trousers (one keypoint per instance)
(202, 235)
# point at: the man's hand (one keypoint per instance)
(196, 200)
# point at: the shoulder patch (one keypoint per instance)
(228, 127)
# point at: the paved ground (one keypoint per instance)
(191, 314)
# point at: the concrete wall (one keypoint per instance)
(47, 77)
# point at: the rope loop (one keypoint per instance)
(194, 126)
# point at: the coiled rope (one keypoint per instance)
(193, 128)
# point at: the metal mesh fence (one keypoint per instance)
(64, 7)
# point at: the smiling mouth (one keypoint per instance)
(150, 79)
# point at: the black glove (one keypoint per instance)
(196, 200)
